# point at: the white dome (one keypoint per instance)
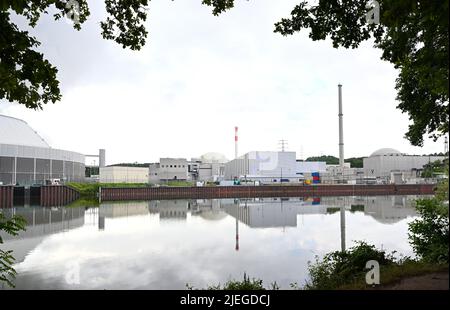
(213, 157)
(386, 152)
(18, 132)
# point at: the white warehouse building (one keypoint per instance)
(309, 167)
(121, 174)
(265, 167)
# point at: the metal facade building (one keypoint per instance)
(209, 167)
(25, 158)
(264, 166)
(384, 161)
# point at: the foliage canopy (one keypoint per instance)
(10, 226)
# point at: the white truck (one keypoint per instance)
(226, 183)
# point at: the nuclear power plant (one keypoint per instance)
(27, 159)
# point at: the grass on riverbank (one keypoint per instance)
(90, 190)
(389, 275)
(393, 274)
(347, 269)
(246, 284)
(178, 183)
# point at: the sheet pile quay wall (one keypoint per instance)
(150, 193)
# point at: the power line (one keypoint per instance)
(283, 144)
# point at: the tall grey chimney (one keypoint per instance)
(101, 158)
(341, 130)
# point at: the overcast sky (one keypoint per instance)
(200, 75)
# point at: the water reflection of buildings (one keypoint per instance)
(283, 212)
(265, 212)
(169, 209)
(255, 213)
(166, 209)
(384, 209)
(276, 212)
(40, 222)
(118, 210)
(208, 209)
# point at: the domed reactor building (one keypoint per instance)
(385, 161)
(27, 159)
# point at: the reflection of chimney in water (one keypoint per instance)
(237, 235)
(101, 223)
(237, 227)
(101, 220)
(342, 228)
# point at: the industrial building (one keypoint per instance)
(27, 159)
(119, 174)
(336, 174)
(208, 168)
(273, 167)
(168, 169)
(389, 164)
(309, 167)
(265, 167)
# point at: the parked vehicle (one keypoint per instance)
(53, 182)
(227, 183)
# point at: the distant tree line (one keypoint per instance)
(437, 154)
(143, 165)
(355, 162)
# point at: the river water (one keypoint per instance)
(170, 243)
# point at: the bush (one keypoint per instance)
(341, 268)
(246, 284)
(429, 234)
(10, 226)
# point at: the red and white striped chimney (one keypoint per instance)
(235, 142)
